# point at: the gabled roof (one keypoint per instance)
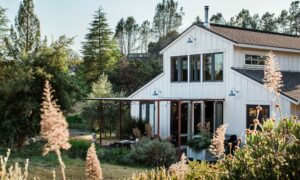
(291, 81)
(256, 37)
(249, 37)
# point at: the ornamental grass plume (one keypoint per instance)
(14, 172)
(179, 169)
(93, 168)
(148, 130)
(54, 127)
(217, 143)
(136, 132)
(273, 78)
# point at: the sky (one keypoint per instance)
(72, 17)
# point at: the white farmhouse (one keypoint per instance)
(213, 73)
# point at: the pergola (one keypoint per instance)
(157, 101)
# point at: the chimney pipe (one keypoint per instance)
(206, 22)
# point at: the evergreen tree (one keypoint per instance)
(120, 35)
(197, 20)
(28, 28)
(97, 47)
(283, 21)
(217, 18)
(294, 17)
(167, 18)
(269, 22)
(3, 30)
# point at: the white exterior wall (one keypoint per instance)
(250, 92)
(287, 61)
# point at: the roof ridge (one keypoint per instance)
(253, 30)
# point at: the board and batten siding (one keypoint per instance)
(288, 61)
(250, 93)
(204, 42)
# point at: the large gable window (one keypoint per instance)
(255, 59)
(213, 67)
(179, 69)
(195, 68)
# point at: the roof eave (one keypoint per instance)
(253, 46)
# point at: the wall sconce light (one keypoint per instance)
(156, 92)
(233, 92)
(191, 40)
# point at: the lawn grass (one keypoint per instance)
(43, 166)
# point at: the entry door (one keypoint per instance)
(197, 117)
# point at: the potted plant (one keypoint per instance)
(197, 147)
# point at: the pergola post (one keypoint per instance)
(120, 120)
(158, 118)
(100, 124)
(179, 123)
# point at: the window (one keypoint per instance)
(213, 67)
(147, 112)
(255, 59)
(252, 113)
(179, 69)
(195, 68)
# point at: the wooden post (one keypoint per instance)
(120, 120)
(158, 118)
(179, 124)
(100, 124)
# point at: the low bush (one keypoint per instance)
(114, 155)
(78, 149)
(272, 153)
(75, 119)
(153, 153)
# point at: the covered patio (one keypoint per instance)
(185, 114)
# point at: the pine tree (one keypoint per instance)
(28, 28)
(3, 29)
(217, 18)
(283, 21)
(120, 35)
(269, 22)
(294, 17)
(97, 47)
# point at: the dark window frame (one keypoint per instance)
(213, 72)
(192, 70)
(251, 58)
(179, 60)
(248, 120)
(147, 103)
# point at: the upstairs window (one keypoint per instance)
(213, 67)
(179, 69)
(195, 68)
(255, 59)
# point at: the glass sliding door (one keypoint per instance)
(197, 117)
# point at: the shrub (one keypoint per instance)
(114, 155)
(153, 153)
(202, 141)
(204, 170)
(78, 149)
(75, 119)
(272, 153)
